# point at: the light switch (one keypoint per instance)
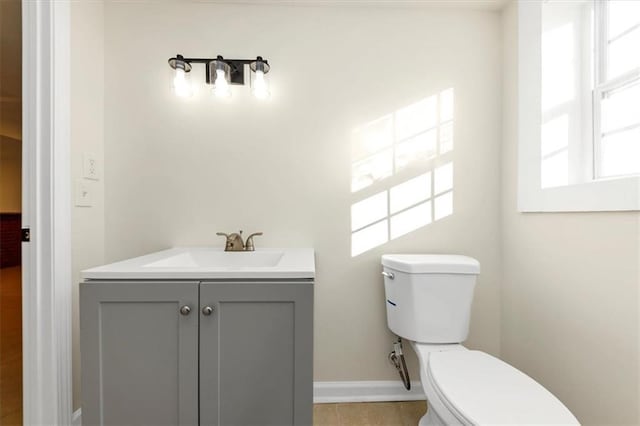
(90, 166)
(84, 194)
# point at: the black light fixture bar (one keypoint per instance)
(237, 66)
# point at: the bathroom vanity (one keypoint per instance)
(199, 337)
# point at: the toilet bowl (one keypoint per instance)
(429, 303)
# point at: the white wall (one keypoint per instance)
(87, 135)
(178, 171)
(569, 289)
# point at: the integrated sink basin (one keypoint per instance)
(211, 263)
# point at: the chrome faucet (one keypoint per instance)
(234, 241)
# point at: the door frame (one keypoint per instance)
(46, 210)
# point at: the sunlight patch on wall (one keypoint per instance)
(369, 210)
(372, 144)
(401, 172)
(410, 192)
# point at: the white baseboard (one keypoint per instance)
(365, 391)
(327, 392)
(76, 419)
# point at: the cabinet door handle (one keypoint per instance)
(185, 310)
(207, 310)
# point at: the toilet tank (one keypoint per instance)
(428, 296)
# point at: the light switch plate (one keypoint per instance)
(84, 194)
(90, 166)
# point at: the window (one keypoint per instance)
(616, 95)
(578, 105)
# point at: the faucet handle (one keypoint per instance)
(248, 245)
(228, 244)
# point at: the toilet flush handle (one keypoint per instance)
(389, 275)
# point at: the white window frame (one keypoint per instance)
(603, 84)
(613, 194)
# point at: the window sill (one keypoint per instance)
(621, 194)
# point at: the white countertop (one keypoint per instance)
(210, 263)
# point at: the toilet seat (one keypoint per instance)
(480, 389)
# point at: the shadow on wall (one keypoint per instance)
(402, 172)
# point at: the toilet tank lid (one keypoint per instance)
(431, 263)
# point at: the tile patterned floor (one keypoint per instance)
(10, 346)
(406, 413)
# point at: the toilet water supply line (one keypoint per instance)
(397, 358)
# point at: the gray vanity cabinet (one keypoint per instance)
(139, 353)
(256, 354)
(241, 354)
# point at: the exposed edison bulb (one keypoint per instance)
(182, 84)
(260, 88)
(221, 86)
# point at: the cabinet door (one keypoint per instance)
(139, 353)
(256, 354)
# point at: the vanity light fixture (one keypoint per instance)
(181, 81)
(221, 73)
(259, 86)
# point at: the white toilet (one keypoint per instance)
(429, 303)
